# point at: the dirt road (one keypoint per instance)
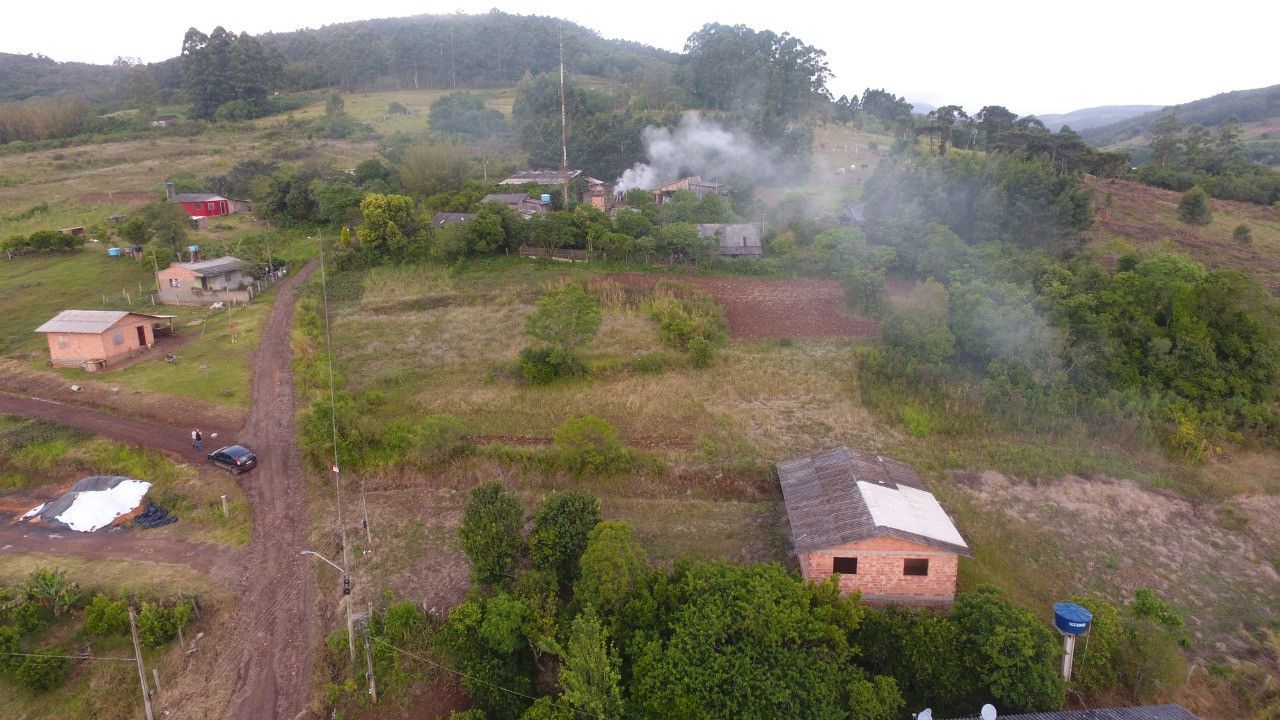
(143, 433)
(271, 650)
(201, 557)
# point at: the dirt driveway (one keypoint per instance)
(759, 309)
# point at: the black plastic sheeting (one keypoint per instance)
(154, 516)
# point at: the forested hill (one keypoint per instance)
(425, 51)
(1086, 118)
(27, 76)
(1258, 111)
(452, 51)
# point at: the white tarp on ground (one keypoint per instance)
(93, 503)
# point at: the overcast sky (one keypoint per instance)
(1031, 56)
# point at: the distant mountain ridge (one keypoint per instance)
(424, 51)
(1086, 118)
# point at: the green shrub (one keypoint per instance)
(701, 352)
(439, 437)
(919, 422)
(10, 644)
(652, 363)
(158, 625)
(31, 617)
(1194, 208)
(1242, 234)
(43, 670)
(539, 366)
(395, 108)
(590, 446)
(105, 617)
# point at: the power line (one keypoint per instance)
(69, 657)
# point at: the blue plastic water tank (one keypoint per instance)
(113, 252)
(1071, 618)
(546, 198)
(193, 248)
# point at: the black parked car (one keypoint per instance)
(236, 458)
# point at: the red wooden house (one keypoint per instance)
(203, 204)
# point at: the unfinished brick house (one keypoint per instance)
(204, 282)
(98, 339)
(871, 521)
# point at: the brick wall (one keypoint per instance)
(74, 349)
(880, 576)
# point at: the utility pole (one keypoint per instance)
(137, 654)
(368, 657)
(337, 483)
(564, 132)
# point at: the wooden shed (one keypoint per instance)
(871, 522)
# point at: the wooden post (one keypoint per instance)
(225, 513)
(368, 656)
(182, 642)
(155, 673)
(137, 654)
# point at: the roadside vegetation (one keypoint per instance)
(65, 650)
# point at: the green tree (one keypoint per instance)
(52, 589)
(463, 113)
(142, 87)
(561, 526)
(490, 532)
(565, 318)
(1166, 142)
(1013, 655)
(920, 330)
(612, 568)
(1193, 207)
(920, 650)
(389, 225)
(430, 168)
(589, 673)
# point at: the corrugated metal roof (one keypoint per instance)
(87, 321)
(1146, 712)
(196, 197)
(506, 198)
(216, 266)
(843, 496)
(442, 219)
(541, 177)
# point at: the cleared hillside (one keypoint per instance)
(1148, 216)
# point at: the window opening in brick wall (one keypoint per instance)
(845, 565)
(915, 566)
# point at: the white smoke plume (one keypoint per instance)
(695, 147)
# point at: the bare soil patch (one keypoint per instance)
(760, 309)
(1117, 536)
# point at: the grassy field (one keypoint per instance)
(425, 339)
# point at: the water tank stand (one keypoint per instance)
(1068, 655)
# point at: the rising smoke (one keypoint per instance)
(695, 147)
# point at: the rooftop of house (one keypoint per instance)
(442, 219)
(216, 266)
(196, 197)
(88, 321)
(691, 180)
(505, 198)
(1147, 712)
(540, 177)
(843, 496)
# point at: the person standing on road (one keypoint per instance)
(195, 437)
(199, 440)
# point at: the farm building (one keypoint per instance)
(549, 178)
(737, 239)
(199, 205)
(522, 202)
(97, 339)
(164, 120)
(204, 282)
(694, 184)
(597, 194)
(443, 219)
(1146, 712)
(871, 521)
